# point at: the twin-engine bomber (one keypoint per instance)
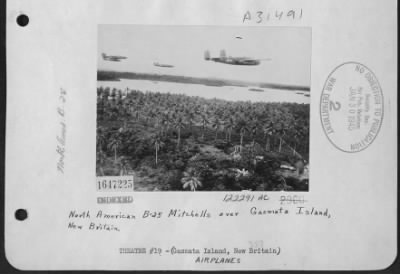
(241, 61)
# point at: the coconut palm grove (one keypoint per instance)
(175, 142)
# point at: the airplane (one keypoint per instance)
(243, 61)
(113, 58)
(162, 65)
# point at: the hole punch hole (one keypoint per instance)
(22, 20)
(21, 214)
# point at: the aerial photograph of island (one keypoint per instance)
(204, 108)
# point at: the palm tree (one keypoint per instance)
(190, 181)
(99, 92)
(157, 121)
(101, 159)
(119, 94)
(204, 123)
(190, 118)
(157, 145)
(106, 94)
(217, 125)
(168, 122)
(113, 95)
(124, 166)
(179, 124)
(114, 144)
(267, 135)
(281, 134)
(163, 124)
(136, 114)
(253, 130)
(131, 107)
(101, 138)
(296, 137)
(242, 131)
(229, 127)
(283, 186)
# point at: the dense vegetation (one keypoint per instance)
(178, 142)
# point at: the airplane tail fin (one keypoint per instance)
(104, 55)
(207, 55)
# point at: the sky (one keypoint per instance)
(183, 46)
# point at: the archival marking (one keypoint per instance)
(351, 107)
(61, 135)
(114, 183)
(264, 16)
(115, 200)
(207, 255)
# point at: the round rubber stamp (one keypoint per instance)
(351, 107)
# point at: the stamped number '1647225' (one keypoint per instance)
(114, 183)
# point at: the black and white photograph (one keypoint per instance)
(204, 108)
(238, 132)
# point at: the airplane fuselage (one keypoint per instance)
(163, 65)
(113, 58)
(237, 61)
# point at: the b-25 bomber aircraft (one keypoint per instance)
(113, 58)
(242, 61)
